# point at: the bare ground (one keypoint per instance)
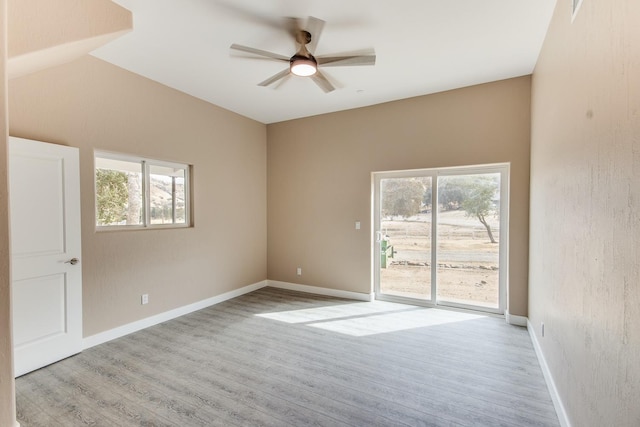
(467, 262)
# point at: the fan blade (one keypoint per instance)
(315, 27)
(282, 81)
(343, 61)
(259, 52)
(253, 58)
(275, 77)
(321, 80)
(293, 26)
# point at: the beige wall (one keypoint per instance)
(46, 33)
(319, 176)
(585, 210)
(7, 393)
(37, 25)
(91, 104)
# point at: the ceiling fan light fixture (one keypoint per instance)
(303, 63)
(303, 66)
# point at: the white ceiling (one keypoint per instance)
(422, 47)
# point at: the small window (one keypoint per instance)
(134, 192)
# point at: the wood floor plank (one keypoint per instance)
(244, 341)
(404, 362)
(238, 370)
(281, 358)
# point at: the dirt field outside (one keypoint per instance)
(467, 264)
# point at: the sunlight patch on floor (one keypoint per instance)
(337, 311)
(370, 318)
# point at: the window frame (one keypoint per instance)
(145, 164)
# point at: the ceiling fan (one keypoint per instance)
(303, 63)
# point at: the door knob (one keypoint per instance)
(72, 261)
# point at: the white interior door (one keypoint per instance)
(45, 251)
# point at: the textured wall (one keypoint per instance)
(7, 393)
(37, 25)
(585, 210)
(94, 105)
(319, 176)
(47, 33)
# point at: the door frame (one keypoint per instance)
(504, 170)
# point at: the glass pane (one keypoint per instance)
(468, 235)
(118, 192)
(167, 195)
(405, 220)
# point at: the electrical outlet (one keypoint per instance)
(542, 329)
(299, 271)
(145, 299)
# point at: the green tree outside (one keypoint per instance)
(403, 196)
(474, 194)
(479, 203)
(112, 196)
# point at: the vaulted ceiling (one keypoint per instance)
(421, 47)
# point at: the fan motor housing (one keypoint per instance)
(298, 57)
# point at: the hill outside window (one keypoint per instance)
(135, 192)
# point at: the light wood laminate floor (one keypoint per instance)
(281, 358)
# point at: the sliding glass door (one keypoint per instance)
(440, 236)
(404, 236)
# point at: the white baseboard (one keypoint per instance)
(123, 330)
(358, 296)
(138, 325)
(516, 320)
(551, 385)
